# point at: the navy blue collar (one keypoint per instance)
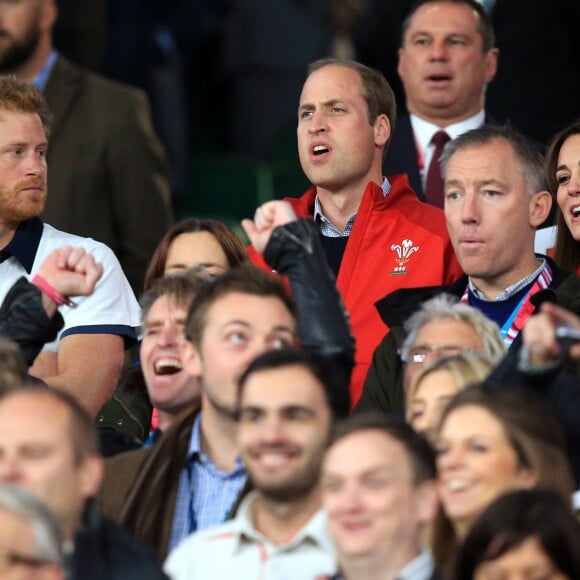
(24, 244)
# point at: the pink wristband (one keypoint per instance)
(51, 292)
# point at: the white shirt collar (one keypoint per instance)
(314, 530)
(424, 130)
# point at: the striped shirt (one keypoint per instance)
(514, 288)
(329, 230)
(206, 494)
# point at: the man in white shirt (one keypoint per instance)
(88, 356)
(287, 401)
(446, 60)
(379, 489)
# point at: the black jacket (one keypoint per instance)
(558, 387)
(24, 320)
(102, 549)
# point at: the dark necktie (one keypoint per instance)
(434, 183)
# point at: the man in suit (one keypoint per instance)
(446, 60)
(379, 489)
(108, 174)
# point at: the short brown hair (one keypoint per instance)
(180, 288)
(20, 97)
(245, 279)
(485, 27)
(377, 91)
(420, 455)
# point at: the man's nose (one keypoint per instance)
(35, 163)
(9, 470)
(470, 208)
(317, 122)
(167, 336)
(439, 50)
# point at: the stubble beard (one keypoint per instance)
(16, 53)
(14, 211)
(295, 489)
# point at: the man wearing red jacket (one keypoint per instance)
(377, 235)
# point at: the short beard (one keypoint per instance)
(18, 52)
(292, 491)
(294, 488)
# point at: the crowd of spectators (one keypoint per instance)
(383, 384)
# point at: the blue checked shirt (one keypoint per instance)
(205, 495)
(329, 230)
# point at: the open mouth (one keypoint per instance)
(319, 150)
(576, 211)
(439, 78)
(167, 366)
(457, 485)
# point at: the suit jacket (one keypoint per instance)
(402, 155)
(107, 172)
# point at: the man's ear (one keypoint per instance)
(49, 15)
(539, 207)
(491, 60)
(382, 130)
(427, 501)
(191, 359)
(91, 475)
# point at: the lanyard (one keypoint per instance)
(516, 320)
(191, 518)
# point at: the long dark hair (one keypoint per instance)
(567, 252)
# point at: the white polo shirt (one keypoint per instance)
(237, 550)
(111, 309)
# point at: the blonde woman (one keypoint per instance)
(437, 383)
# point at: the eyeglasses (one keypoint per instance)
(8, 558)
(417, 355)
